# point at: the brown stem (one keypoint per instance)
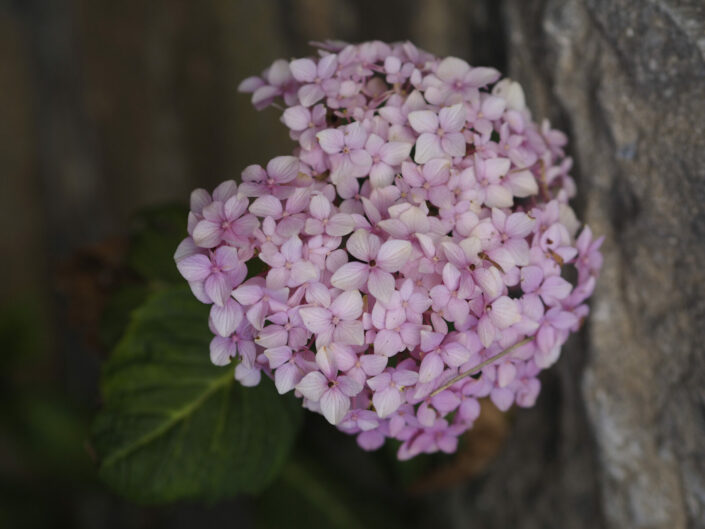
(481, 365)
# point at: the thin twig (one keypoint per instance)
(481, 365)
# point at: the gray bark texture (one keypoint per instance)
(626, 80)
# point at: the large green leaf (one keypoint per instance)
(155, 234)
(174, 426)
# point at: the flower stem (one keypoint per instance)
(481, 365)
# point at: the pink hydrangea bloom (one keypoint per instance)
(419, 232)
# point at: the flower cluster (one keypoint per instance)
(419, 234)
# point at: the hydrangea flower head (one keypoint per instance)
(412, 254)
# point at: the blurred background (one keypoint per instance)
(107, 108)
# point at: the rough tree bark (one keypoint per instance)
(626, 80)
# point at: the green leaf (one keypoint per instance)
(173, 425)
(155, 234)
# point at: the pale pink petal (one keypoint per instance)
(256, 314)
(195, 267)
(348, 305)
(320, 207)
(428, 147)
(286, 377)
(386, 402)
(505, 374)
(359, 245)
(519, 225)
(318, 294)
(316, 319)
(452, 119)
(350, 276)
(446, 401)
(373, 364)
(371, 440)
(454, 144)
(248, 294)
(469, 409)
(380, 285)
(380, 381)
(207, 234)
(303, 272)
(279, 72)
(496, 167)
(503, 398)
(221, 351)
(423, 121)
(505, 312)
(310, 94)
(388, 343)
(297, 118)
(218, 288)
(326, 360)
(455, 354)
(266, 206)
(393, 255)
(490, 281)
(334, 405)
(405, 377)
(313, 385)
(291, 249)
(349, 333)
(277, 355)
(331, 141)
(486, 331)
(498, 196)
(327, 66)
(523, 184)
(247, 376)
(493, 107)
(482, 76)
(452, 68)
(283, 169)
(394, 152)
(531, 277)
(303, 70)
(555, 288)
(349, 386)
(431, 366)
(340, 224)
(272, 336)
(226, 318)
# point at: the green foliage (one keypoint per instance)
(155, 234)
(173, 425)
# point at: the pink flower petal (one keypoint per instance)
(388, 343)
(331, 141)
(313, 385)
(428, 147)
(423, 121)
(297, 118)
(350, 276)
(303, 70)
(226, 318)
(380, 284)
(316, 319)
(348, 305)
(310, 94)
(386, 402)
(393, 255)
(195, 267)
(334, 405)
(452, 119)
(431, 367)
(266, 206)
(286, 377)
